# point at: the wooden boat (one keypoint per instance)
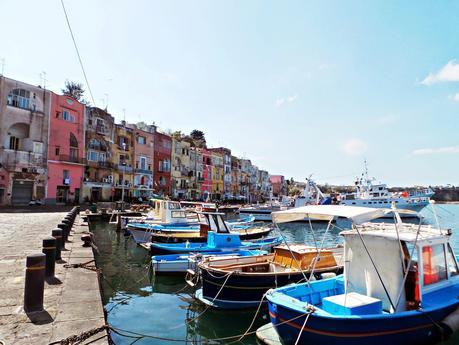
(400, 285)
(241, 282)
(180, 263)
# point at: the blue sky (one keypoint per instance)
(299, 87)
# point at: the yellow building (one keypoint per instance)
(123, 166)
(180, 172)
(217, 175)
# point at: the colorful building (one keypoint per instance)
(236, 178)
(279, 185)
(66, 150)
(98, 179)
(144, 144)
(24, 124)
(206, 177)
(217, 175)
(181, 172)
(162, 163)
(226, 154)
(194, 188)
(123, 163)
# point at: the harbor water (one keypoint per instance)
(163, 306)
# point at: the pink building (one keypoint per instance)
(65, 150)
(206, 177)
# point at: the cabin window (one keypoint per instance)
(221, 224)
(452, 265)
(212, 223)
(434, 264)
(178, 214)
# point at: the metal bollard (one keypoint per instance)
(70, 219)
(68, 222)
(65, 232)
(34, 282)
(57, 234)
(49, 249)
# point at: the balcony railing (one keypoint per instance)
(13, 159)
(144, 171)
(101, 129)
(125, 168)
(72, 159)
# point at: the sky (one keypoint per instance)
(299, 87)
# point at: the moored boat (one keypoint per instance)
(234, 283)
(180, 263)
(400, 285)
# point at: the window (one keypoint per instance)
(141, 140)
(37, 147)
(66, 177)
(73, 154)
(19, 98)
(65, 115)
(14, 143)
(162, 181)
(102, 157)
(93, 156)
(57, 151)
(434, 264)
(452, 265)
(122, 159)
(73, 140)
(143, 163)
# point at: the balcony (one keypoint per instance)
(101, 130)
(71, 159)
(144, 171)
(16, 160)
(125, 168)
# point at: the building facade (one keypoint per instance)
(66, 150)
(123, 163)
(217, 175)
(226, 192)
(98, 179)
(195, 173)
(162, 163)
(181, 171)
(236, 178)
(144, 143)
(279, 185)
(24, 119)
(206, 177)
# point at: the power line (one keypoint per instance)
(78, 53)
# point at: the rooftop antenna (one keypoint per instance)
(3, 65)
(43, 79)
(124, 114)
(106, 100)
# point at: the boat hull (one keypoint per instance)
(244, 290)
(418, 328)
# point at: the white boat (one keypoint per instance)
(312, 195)
(368, 194)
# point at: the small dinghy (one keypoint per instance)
(241, 282)
(400, 285)
(180, 263)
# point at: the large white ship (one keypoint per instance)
(369, 194)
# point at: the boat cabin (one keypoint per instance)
(168, 211)
(212, 226)
(397, 264)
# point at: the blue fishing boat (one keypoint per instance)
(219, 238)
(180, 263)
(400, 285)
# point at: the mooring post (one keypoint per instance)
(64, 227)
(34, 282)
(57, 234)
(49, 249)
(69, 219)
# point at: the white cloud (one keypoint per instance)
(387, 119)
(354, 147)
(449, 72)
(285, 100)
(438, 150)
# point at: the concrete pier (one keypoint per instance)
(72, 300)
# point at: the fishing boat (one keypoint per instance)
(181, 263)
(219, 238)
(369, 194)
(400, 285)
(234, 283)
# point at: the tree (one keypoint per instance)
(198, 138)
(177, 135)
(74, 90)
